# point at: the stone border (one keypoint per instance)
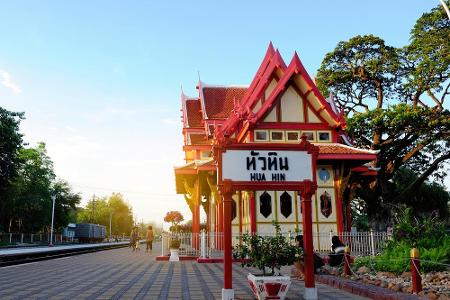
(363, 289)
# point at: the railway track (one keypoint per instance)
(18, 257)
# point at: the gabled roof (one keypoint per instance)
(194, 118)
(296, 69)
(187, 109)
(272, 65)
(218, 101)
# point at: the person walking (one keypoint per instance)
(149, 239)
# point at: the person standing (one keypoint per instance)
(149, 239)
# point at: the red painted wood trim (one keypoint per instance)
(293, 126)
(196, 147)
(240, 212)
(185, 172)
(338, 202)
(307, 238)
(348, 213)
(252, 208)
(363, 157)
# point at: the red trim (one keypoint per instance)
(252, 208)
(185, 172)
(294, 126)
(278, 108)
(196, 147)
(370, 173)
(338, 203)
(240, 213)
(360, 169)
(227, 255)
(364, 157)
(182, 257)
(307, 237)
(349, 217)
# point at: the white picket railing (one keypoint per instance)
(210, 244)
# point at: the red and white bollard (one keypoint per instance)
(416, 279)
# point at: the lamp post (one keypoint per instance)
(110, 222)
(53, 218)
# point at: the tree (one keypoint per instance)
(99, 210)
(30, 201)
(175, 218)
(10, 144)
(394, 101)
(66, 203)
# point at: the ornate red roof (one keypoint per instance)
(194, 114)
(336, 151)
(219, 101)
(334, 148)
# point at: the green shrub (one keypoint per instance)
(426, 234)
(271, 252)
(396, 257)
(174, 244)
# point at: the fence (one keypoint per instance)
(210, 244)
(11, 239)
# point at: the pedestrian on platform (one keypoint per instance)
(149, 239)
(136, 238)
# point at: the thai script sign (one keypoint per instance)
(266, 165)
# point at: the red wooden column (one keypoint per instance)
(196, 216)
(220, 225)
(227, 193)
(310, 289)
(252, 209)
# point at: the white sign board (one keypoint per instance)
(266, 165)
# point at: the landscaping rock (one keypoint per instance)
(363, 270)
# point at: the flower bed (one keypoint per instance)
(436, 285)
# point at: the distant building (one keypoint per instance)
(281, 104)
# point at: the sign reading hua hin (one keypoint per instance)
(266, 165)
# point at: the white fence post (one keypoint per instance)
(203, 244)
(372, 244)
(163, 236)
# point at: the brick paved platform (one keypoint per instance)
(121, 274)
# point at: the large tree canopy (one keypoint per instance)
(28, 182)
(394, 99)
(10, 144)
(102, 210)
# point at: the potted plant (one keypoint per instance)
(174, 245)
(174, 217)
(268, 254)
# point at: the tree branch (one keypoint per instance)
(436, 100)
(412, 188)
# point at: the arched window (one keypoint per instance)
(286, 204)
(265, 204)
(233, 209)
(325, 204)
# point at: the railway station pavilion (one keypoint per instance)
(281, 104)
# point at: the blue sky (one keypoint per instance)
(99, 81)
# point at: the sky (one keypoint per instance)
(99, 81)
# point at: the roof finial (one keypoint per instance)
(198, 73)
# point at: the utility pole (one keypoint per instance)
(53, 217)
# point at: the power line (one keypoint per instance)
(123, 191)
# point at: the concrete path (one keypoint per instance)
(122, 274)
